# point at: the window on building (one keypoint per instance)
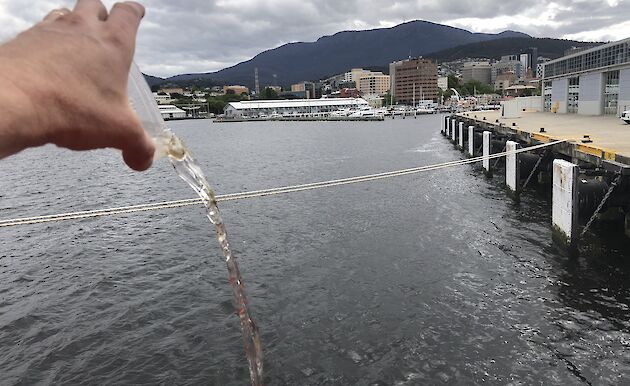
(611, 92)
(547, 90)
(574, 93)
(613, 55)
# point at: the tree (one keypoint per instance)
(475, 87)
(453, 82)
(268, 93)
(388, 100)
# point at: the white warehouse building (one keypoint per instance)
(292, 107)
(590, 82)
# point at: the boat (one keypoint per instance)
(366, 113)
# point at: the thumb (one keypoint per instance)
(138, 154)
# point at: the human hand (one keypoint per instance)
(67, 80)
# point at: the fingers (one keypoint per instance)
(126, 16)
(137, 147)
(140, 156)
(56, 14)
(91, 9)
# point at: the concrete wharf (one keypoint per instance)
(609, 136)
(586, 168)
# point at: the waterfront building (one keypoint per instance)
(235, 90)
(392, 77)
(479, 71)
(162, 98)
(416, 79)
(248, 109)
(595, 81)
(171, 112)
(374, 84)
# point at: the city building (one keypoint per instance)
(416, 79)
(540, 66)
(589, 82)
(392, 77)
(235, 90)
(507, 64)
(248, 109)
(503, 81)
(308, 88)
(349, 92)
(442, 83)
(374, 84)
(355, 74)
(479, 71)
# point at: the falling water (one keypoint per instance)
(188, 169)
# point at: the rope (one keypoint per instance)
(498, 159)
(601, 205)
(531, 174)
(256, 193)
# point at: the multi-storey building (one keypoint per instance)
(304, 89)
(355, 74)
(373, 84)
(392, 77)
(415, 80)
(479, 71)
(590, 82)
(506, 65)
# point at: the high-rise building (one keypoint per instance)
(415, 80)
(373, 84)
(506, 65)
(355, 74)
(392, 77)
(479, 71)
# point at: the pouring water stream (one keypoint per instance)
(169, 145)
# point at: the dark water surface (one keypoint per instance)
(425, 279)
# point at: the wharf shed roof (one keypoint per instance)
(296, 103)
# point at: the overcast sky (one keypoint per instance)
(207, 35)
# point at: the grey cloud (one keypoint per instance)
(207, 35)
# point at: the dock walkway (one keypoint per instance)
(610, 136)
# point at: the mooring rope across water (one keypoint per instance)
(257, 193)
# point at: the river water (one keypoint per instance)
(434, 278)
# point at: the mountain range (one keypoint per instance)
(330, 55)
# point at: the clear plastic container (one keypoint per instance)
(143, 103)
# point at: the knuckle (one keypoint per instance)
(118, 39)
(73, 19)
(134, 10)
